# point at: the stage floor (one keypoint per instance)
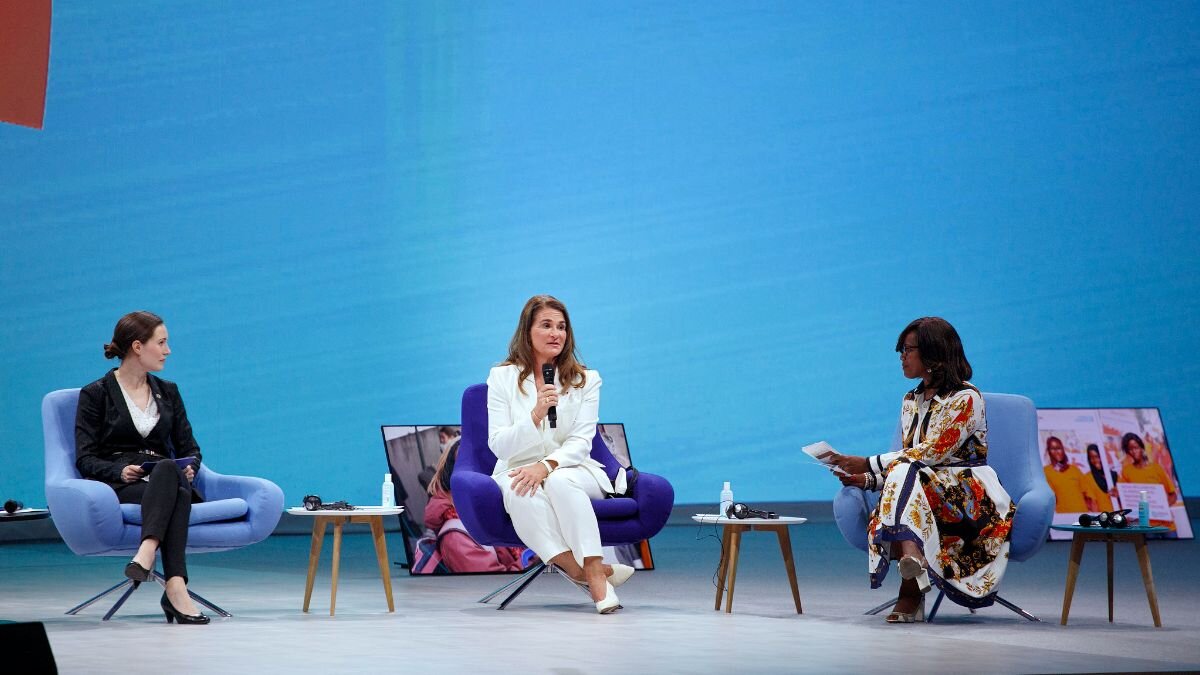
(667, 624)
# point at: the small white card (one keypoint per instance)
(823, 453)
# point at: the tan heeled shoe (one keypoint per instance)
(915, 616)
(911, 568)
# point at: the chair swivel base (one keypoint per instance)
(938, 603)
(130, 586)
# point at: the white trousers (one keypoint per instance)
(559, 516)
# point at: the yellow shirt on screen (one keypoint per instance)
(1068, 489)
(1150, 473)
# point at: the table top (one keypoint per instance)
(24, 514)
(357, 511)
(1132, 529)
(716, 519)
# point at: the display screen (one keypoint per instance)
(1107, 459)
(435, 541)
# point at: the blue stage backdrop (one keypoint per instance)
(339, 208)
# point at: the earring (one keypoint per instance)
(928, 370)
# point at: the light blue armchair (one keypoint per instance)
(1013, 453)
(238, 510)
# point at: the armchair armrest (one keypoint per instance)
(655, 496)
(1035, 513)
(851, 509)
(86, 514)
(264, 499)
(480, 505)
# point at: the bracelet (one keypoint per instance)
(869, 481)
(549, 469)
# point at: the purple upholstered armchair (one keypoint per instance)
(622, 520)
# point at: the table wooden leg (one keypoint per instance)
(314, 556)
(385, 571)
(1072, 574)
(1109, 545)
(1143, 554)
(735, 542)
(337, 555)
(723, 565)
(785, 547)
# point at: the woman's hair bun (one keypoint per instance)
(112, 351)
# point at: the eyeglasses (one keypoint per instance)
(906, 349)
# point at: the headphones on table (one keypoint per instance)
(1111, 519)
(740, 511)
(314, 503)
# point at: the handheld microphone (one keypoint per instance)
(548, 378)
(12, 506)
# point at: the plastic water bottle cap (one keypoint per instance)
(726, 485)
(387, 477)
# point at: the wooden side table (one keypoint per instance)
(370, 515)
(1134, 535)
(731, 541)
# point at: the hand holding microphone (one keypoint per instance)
(550, 394)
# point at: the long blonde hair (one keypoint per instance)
(571, 373)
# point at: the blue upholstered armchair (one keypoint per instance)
(238, 510)
(481, 506)
(1013, 453)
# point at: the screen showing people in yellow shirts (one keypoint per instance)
(1104, 459)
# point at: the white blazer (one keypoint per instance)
(515, 440)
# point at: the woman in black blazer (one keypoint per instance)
(130, 417)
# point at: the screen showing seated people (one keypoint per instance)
(421, 459)
(1107, 459)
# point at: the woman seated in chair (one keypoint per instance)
(545, 469)
(942, 511)
(126, 419)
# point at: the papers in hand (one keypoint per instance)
(824, 453)
(182, 462)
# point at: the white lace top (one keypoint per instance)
(143, 420)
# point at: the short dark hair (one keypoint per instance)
(1056, 439)
(941, 351)
(133, 327)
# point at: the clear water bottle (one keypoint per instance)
(726, 499)
(1143, 509)
(388, 496)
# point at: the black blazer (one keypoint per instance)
(106, 440)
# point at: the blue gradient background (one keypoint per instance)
(340, 208)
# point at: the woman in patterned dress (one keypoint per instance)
(942, 511)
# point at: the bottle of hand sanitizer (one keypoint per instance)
(389, 493)
(726, 498)
(1143, 509)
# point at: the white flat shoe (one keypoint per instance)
(610, 603)
(911, 568)
(620, 575)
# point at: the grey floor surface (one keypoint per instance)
(667, 624)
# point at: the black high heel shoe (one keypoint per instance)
(176, 615)
(136, 572)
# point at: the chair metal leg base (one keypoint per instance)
(87, 603)
(1016, 609)
(522, 582)
(936, 603)
(130, 586)
(882, 607)
(162, 581)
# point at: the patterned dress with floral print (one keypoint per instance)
(939, 492)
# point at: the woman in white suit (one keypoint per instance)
(546, 473)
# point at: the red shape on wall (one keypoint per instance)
(24, 60)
